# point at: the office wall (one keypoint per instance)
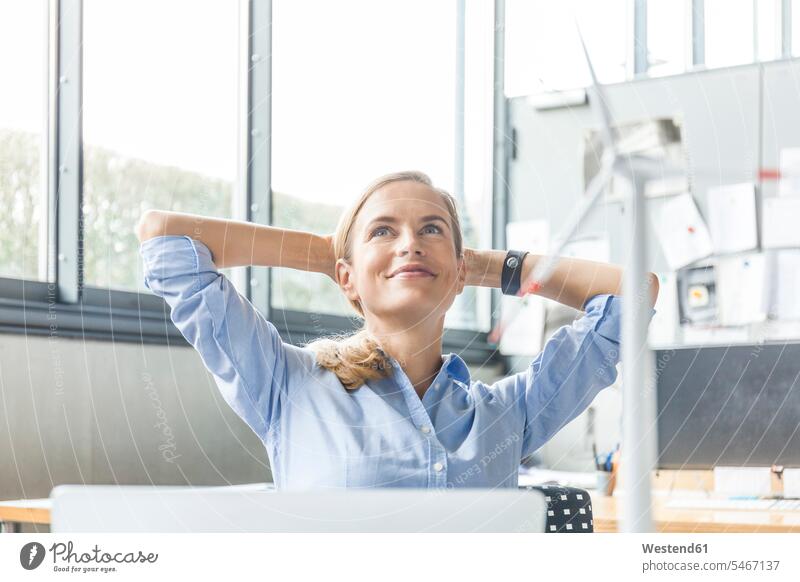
(780, 125)
(734, 121)
(103, 413)
(720, 119)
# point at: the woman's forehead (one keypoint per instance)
(403, 200)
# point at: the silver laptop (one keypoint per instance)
(138, 509)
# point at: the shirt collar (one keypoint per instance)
(457, 370)
(454, 368)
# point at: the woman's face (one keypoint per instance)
(402, 224)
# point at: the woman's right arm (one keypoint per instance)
(253, 368)
(235, 243)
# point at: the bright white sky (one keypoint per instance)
(361, 87)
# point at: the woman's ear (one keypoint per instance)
(344, 275)
(462, 274)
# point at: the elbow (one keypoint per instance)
(150, 225)
(654, 287)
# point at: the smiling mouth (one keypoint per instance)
(411, 275)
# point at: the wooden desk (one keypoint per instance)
(605, 513)
(14, 513)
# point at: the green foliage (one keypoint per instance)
(116, 191)
(20, 201)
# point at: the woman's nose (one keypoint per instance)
(410, 243)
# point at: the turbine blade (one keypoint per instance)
(599, 103)
(544, 268)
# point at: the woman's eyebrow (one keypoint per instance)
(392, 219)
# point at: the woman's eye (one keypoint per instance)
(436, 228)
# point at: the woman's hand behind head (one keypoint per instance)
(331, 263)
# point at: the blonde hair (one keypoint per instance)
(358, 357)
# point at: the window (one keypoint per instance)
(795, 10)
(161, 106)
(768, 29)
(728, 32)
(543, 50)
(23, 139)
(361, 89)
(668, 36)
(159, 122)
(472, 309)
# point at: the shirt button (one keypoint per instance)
(438, 467)
(425, 428)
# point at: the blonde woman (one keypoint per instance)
(382, 407)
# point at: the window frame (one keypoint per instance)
(64, 307)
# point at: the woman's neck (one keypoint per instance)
(418, 350)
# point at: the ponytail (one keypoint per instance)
(354, 358)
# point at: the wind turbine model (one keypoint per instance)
(638, 408)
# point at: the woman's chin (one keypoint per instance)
(416, 306)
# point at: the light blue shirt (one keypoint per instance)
(462, 433)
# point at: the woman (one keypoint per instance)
(382, 407)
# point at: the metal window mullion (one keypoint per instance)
(50, 166)
(698, 33)
(640, 51)
(240, 199)
(458, 185)
(786, 29)
(259, 136)
(466, 302)
(65, 164)
(500, 132)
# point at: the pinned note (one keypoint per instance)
(741, 284)
(522, 327)
(732, 218)
(681, 230)
(522, 320)
(664, 325)
(789, 185)
(779, 223)
(698, 296)
(791, 483)
(784, 273)
(596, 248)
(743, 481)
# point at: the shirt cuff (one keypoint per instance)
(608, 308)
(172, 255)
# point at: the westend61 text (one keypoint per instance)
(674, 549)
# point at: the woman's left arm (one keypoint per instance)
(573, 281)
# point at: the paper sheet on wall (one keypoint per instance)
(664, 325)
(702, 335)
(742, 480)
(732, 217)
(779, 226)
(595, 248)
(791, 482)
(681, 230)
(523, 319)
(784, 274)
(741, 289)
(789, 184)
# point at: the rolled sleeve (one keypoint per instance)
(242, 350)
(576, 363)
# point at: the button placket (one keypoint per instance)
(420, 418)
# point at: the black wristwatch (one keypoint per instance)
(511, 278)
